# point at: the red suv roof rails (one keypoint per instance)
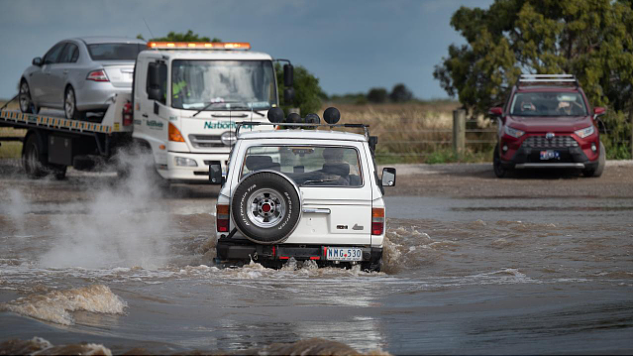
(547, 79)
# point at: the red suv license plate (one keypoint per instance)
(549, 155)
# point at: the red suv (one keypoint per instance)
(548, 123)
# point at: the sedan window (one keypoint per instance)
(115, 51)
(52, 56)
(70, 54)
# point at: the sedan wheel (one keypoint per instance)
(70, 105)
(26, 103)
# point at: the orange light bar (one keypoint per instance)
(200, 45)
(174, 134)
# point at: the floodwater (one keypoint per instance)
(126, 270)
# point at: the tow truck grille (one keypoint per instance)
(205, 141)
(557, 142)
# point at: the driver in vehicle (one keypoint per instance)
(179, 86)
(568, 108)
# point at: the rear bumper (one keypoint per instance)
(244, 250)
(98, 95)
(529, 158)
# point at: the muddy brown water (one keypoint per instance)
(92, 263)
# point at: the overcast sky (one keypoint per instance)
(350, 45)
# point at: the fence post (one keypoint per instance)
(459, 131)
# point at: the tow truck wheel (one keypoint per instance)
(26, 102)
(35, 163)
(602, 159)
(70, 105)
(266, 207)
(500, 172)
(32, 158)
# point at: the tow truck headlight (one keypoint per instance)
(583, 133)
(514, 132)
(228, 138)
(183, 161)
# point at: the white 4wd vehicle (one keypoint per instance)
(302, 194)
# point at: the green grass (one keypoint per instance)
(11, 149)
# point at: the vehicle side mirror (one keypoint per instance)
(388, 177)
(215, 173)
(155, 90)
(155, 94)
(288, 75)
(37, 61)
(496, 112)
(598, 111)
(289, 95)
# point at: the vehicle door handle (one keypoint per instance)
(317, 210)
(66, 72)
(144, 115)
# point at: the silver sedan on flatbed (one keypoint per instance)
(79, 75)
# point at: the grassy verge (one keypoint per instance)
(11, 149)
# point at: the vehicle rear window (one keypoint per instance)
(114, 51)
(307, 165)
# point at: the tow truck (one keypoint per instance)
(184, 103)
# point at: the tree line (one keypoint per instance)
(398, 94)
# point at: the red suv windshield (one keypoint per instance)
(548, 104)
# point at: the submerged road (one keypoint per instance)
(540, 263)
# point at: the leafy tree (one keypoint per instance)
(590, 39)
(308, 92)
(377, 95)
(189, 36)
(400, 94)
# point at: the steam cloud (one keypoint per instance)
(123, 225)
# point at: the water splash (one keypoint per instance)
(55, 306)
(38, 346)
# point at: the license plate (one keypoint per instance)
(346, 254)
(549, 155)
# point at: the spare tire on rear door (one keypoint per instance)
(266, 207)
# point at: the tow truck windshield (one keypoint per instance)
(548, 104)
(229, 85)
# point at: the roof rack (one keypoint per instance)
(239, 125)
(545, 79)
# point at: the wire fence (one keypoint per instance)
(411, 142)
(422, 143)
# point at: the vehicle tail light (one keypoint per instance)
(222, 218)
(98, 76)
(377, 221)
(174, 134)
(127, 114)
